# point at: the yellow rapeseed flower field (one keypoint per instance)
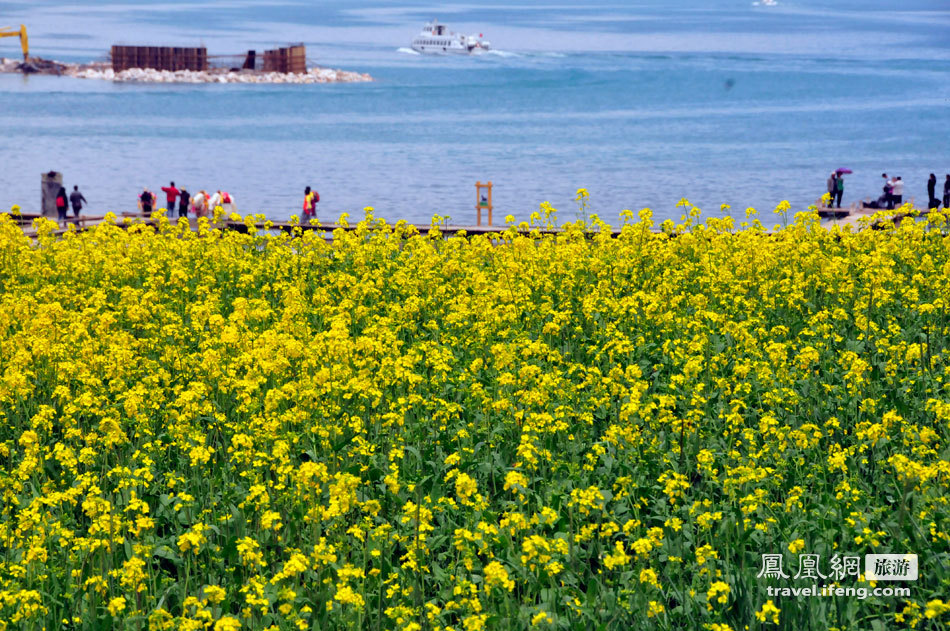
(220, 431)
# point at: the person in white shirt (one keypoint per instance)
(214, 201)
(897, 193)
(885, 201)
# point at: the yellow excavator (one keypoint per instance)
(6, 31)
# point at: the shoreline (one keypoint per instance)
(856, 222)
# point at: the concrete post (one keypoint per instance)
(49, 186)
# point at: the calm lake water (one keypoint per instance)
(642, 104)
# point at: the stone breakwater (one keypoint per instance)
(104, 72)
(147, 75)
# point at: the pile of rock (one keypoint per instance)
(148, 75)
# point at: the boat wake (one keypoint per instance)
(502, 54)
(497, 53)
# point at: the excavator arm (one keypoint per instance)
(6, 31)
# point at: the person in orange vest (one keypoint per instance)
(199, 204)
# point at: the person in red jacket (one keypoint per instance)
(172, 194)
(62, 203)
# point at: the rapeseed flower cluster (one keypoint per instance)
(219, 430)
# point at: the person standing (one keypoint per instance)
(897, 191)
(932, 201)
(307, 203)
(889, 189)
(832, 185)
(145, 200)
(839, 186)
(310, 199)
(172, 194)
(183, 200)
(62, 203)
(214, 201)
(199, 203)
(946, 192)
(77, 200)
(227, 202)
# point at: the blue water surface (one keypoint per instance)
(722, 102)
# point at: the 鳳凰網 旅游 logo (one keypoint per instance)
(890, 567)
(840, 575)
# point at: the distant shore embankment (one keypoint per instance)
(104, 71)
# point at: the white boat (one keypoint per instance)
(437, 39)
